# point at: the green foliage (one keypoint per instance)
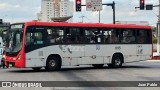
(154, 29)
(154, 40)
(1, 30)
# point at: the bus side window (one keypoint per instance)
(60, 35)
(99, 36)
(51, 34)
(113, 36)
(73, 35)
(28, 39)
(38, 38)
(34, 38)
(90, 35)
(149, 37)
(93, 35)
(55, 35)
(141, 36)
(128, 36)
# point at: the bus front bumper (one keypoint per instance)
(17, 64)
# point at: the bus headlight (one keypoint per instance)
(19, 57)
(4, 56)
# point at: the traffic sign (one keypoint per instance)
(93, 5)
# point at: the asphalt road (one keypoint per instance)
(138, 71)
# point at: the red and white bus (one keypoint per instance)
(54, 44)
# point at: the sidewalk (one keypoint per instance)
(153, 60)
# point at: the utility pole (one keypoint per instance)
(114, 16)
(99, 16)
(159, 12)
(158, 28)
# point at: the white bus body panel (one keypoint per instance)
(89, 54)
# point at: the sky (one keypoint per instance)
(26, 10)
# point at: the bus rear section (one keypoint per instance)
(52, 45)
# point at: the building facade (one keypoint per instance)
(55, 9)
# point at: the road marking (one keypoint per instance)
(153, 60)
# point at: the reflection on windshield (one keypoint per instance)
(14, 41)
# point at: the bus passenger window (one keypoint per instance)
(141, 36)
(93, 35)
(50, 36)
(60, 34)
(92, 40)
(106, 36)
(74, 35)
(34, 38)
(28, 39)
(90, 36)
(128, 36)
(149, 37)
(55, 35)
(113, 36)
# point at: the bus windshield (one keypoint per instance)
(14, 41)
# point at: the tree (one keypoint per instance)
(154, 29)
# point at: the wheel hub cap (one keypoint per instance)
(117, 62)
(52, 63)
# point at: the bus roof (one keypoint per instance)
(92, 25)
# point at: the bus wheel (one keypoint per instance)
(97, 65)
(117, 61)
(53, 64)
(37, 68)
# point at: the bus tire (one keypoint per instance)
(97, 65)
(117, 61)
(37, 68)
(53, 64)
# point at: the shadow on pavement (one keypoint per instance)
(27, 70)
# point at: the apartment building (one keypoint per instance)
(55, 9)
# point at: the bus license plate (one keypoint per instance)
(10, 65)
